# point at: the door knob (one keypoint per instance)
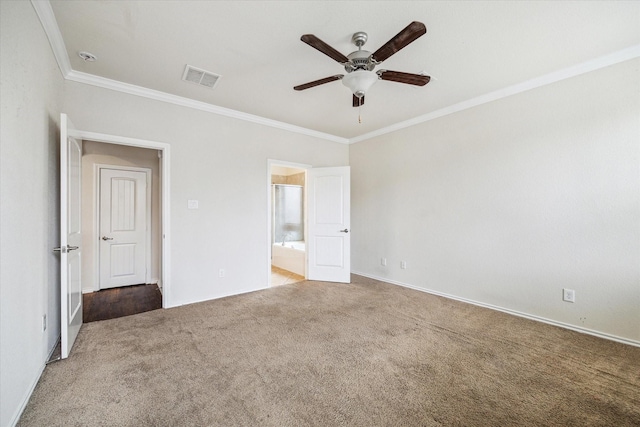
(65, 249)
(107, 238)
(344, 231)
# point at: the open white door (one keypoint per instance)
(329, 222)
(70, 236)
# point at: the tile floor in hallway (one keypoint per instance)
(283, 277)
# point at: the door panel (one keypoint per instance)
(123, 261)
(331, 189)
(70, 237)
(123, 208)
(123, 227)
(329, 251)
(329, 248)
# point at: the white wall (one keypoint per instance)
(222, 163)
(31, 95)
(505, 204)
(96, 153)
(509, 202)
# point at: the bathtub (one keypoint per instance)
(289, 257)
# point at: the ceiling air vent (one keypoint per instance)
(200, 77)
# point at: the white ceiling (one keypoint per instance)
(470, 49)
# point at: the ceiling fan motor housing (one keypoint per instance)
(359, 60)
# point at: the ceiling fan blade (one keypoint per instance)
(400, 40)
(318, 82)
(357, 102)
(400, 77)
(318, 44)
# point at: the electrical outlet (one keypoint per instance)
(221, 272)
(568, 295)
(383, 262)
(403, 265)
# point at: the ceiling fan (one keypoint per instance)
(359, 65)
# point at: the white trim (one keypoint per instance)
(119, 140)
(165, 183)
(225, 295)
(26, 397)
(508, 311)
(48, 20)
(97, 169)
(90, 79)
(50, 26)
(566, 73)
(270, 164)
(51, 29)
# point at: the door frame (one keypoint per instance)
(165, 195)
(97, 168)
(270, 163)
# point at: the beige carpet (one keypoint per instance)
(323, 354)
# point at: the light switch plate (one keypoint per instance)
(569, 295)
(192, 204)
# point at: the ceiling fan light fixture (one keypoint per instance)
(359, 81)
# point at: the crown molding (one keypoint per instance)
(90, 79)
(51, 29)
(48, 20)
(576, 70)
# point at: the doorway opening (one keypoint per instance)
(121, 236)
(326, 222)
(71, 229)
(131, 156)
(287, 222)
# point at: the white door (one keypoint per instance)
(70, 237)
(123, 228)
(329, 222)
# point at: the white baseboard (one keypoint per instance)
(26, 397)
(230, 294)
(508, 311)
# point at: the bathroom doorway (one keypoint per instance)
(287, 223)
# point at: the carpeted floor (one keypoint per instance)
(324, 354)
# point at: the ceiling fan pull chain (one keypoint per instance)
(359, 115)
